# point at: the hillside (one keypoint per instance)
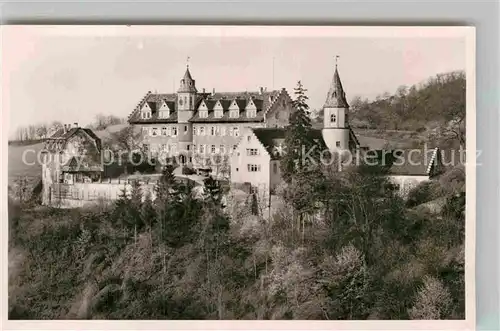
(134, 260)
(432, 111)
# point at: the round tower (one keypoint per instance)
(336, 129)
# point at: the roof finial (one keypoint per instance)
(187, 62)
(336, 60)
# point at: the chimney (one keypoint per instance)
(203, 90)
(213, 91)
(75, 124)
(261, 90)
(65, 129)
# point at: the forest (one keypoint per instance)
(338, 248)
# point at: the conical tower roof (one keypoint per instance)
(336, 95)
(187, 83)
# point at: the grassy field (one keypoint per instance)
(22, 162)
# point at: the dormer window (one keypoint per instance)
(203, 113)
(164, 110)
(251, 110)
(234, 110)
(218, 110)
(333, 118)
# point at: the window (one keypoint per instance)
(253, 167)
(333, 118)
(212, 131)
(174, 131)
(218, 114)
(145, 130)
(203, 113)
(337, 144)
(202, 149)
(235, 147)
(180, 101)
(251, 113)
(154, 132)
(275, 168)
(222, 149)
(236, 131)
(194, 148)
(237, 169)
(185, 129)
(202, 131)
(164, 114)
(249, 138)
(223, 131)
(163, 147)
(212, 149)
(145, 147)
(252, 151)
(233, 113)
(283, 103)
(195, 131)
(164, 131)
(188, 147)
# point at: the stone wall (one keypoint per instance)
(84, 194)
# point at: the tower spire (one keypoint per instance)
(187, 62)
(336, 94)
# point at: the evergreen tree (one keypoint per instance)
(299, 141)
(213, 191)
(148, 214)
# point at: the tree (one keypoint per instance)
(41, 131)
(433, 301)
(298, 139)
(127, 144)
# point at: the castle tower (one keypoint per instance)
(186, 99)
(335, 123)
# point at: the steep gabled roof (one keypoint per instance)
(263, 100)
(58, 140)
(405, 162)
(155, 101)
(273, 140)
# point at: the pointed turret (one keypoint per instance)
(336, 130)
(336, 95)
(187, 83)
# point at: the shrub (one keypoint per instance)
(423, 192)
(188, 170)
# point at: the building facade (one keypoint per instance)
(257, 158)
(201, 128)
(71, 155)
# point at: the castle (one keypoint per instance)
(194, 125)
(247, 129)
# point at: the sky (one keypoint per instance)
(73, 77)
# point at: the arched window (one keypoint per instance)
(333, 118)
